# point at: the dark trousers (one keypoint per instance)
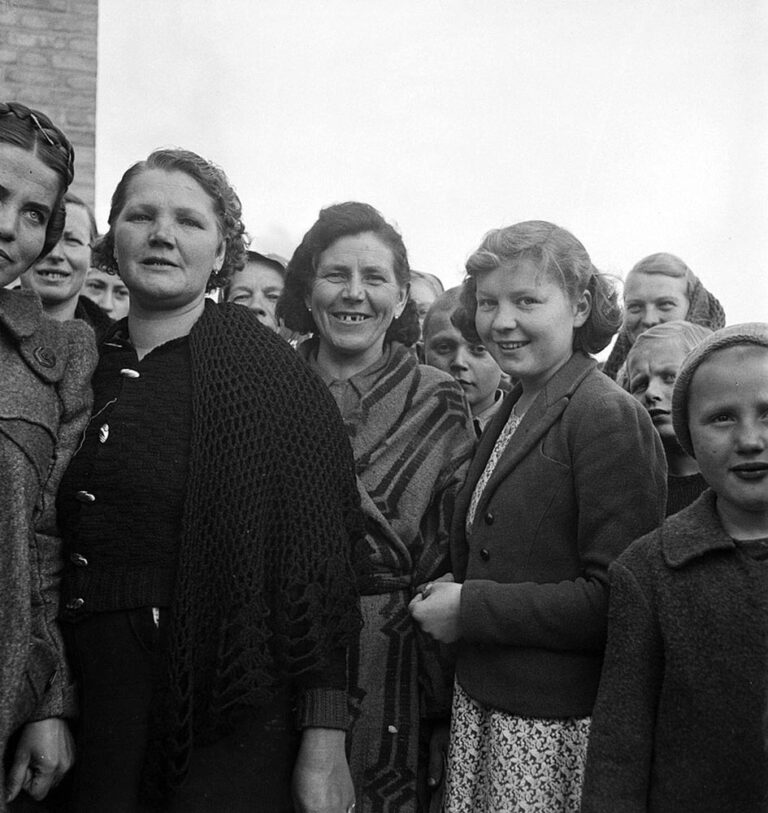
(114, 656)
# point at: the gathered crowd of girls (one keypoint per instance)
(323, 537)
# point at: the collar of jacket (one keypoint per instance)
(37, 337)
(694, 532)
(542, 413)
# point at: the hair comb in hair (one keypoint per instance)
(47, 129)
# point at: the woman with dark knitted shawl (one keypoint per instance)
(660, 288)
(207, 517)
(410, 431)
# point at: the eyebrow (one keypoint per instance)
(43, 207)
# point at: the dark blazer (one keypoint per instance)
(681, 720)
(583, 475)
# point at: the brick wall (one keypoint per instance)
(48, 61)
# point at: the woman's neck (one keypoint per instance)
(342, 366)
(149, 329)
(61, 311)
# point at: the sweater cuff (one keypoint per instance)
(323, 708)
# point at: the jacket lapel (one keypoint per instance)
(541, 415)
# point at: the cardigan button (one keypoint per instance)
(489, 518)
(78, 559)
(485, 554)
(75, 604)
(127, 372)
(85, 496)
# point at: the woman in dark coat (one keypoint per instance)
(208, 517)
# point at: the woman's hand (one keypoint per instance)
(44, 753)
(321, 778)
(435, 608)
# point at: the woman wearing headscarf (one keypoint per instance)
(660, 288)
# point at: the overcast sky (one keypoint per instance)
(639, 126)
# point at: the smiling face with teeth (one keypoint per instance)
(59, 276)
(354, 298)
(728, 422)
(527, 321)
(167, 241)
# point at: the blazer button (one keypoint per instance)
(85, 496)
(127, 372)
(44, 356)
(485, 554)
(78, 559)
(489, 518)
(75, 604)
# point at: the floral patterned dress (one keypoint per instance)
(501, 762)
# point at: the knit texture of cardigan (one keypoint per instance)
(264, 593)
(704, 309)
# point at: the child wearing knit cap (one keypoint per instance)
(681, 720)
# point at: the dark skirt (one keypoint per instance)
(114, 656)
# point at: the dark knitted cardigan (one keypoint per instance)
(264, 593)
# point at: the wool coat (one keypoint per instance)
(583, 475)
(45, 367)
(681, 720)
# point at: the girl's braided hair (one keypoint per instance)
(33, 131)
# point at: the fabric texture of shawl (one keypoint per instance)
(412, 438)
(264, 592)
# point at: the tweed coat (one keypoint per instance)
(45, 368)
(583, 475)
(681, 720)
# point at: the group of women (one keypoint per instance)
(256, 578)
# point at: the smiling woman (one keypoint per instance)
(58, 277)
(347, 283)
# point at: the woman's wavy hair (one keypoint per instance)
(563, 259)
(33, 131)
(669, 265)
(334, 222)
(226, 205)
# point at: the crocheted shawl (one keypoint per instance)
(412, 439)
(704, 310)
(264, 592)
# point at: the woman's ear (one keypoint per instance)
(582, 309)
(405, 290)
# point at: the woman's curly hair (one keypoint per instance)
(559, 255)
(33, 131)
(226, 205)
(334, 222)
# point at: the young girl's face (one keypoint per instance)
(728, 422)
(527, 321)
(652, 367)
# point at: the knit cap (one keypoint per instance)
(747, 333)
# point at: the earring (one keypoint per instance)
(309, 309)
